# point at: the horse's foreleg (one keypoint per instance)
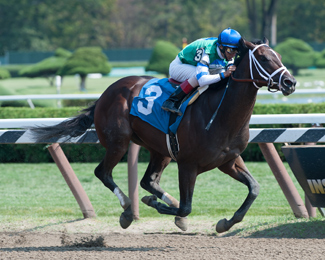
(151, 201)
(187, 178)
(187, 174)
(237, 170)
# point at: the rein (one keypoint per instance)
(268, 78)
(257, 81)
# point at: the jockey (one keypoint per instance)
(191, 65)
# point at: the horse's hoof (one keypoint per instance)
(148, 199)
(182, 223)
(222, 226)
(126, 218)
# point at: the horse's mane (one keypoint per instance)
(243, 49)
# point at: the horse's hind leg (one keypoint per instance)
(151, 179)
(237, 170)
(104, 172)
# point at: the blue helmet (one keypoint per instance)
(229, 37)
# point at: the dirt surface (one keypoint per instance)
(90, 239)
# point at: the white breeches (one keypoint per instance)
(180, 71)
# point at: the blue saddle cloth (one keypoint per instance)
(147, 106)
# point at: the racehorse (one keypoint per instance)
(200, 150)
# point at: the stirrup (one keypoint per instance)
(172, 110)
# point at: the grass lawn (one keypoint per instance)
(70, 85)
(307, 78)
(38, 192)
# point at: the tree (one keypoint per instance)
(45, 25)
(152, 20)
(302, 20)
(162, 55)
(296, 54)
(48, 67)
(264, 14)
(83, 61)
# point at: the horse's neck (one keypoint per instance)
(242, 98)
(238, 104)
(242, 95)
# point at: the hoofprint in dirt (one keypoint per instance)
(93, 239)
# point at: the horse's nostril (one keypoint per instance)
(289, 83)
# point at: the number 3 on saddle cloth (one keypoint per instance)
(147, 106)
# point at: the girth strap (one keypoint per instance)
(171, 138)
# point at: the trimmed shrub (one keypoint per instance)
(86, 60)
(4, 74)
(48, 67)
(14, 69)
(296, 54)
(320, 61)
(163, 54)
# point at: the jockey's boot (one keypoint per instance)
(172, 104)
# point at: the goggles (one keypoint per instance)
(231, 50)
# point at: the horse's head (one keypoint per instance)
(266, 68)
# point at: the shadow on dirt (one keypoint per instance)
(52, 224)
(76, 249)
(69, 243)
(311, 229)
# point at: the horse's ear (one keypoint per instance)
(242, 49)
(265, 40)
(242, 45)
(242, 42)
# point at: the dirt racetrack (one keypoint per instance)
(90, 239)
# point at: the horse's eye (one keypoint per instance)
(263, 58)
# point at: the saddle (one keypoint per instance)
(176, 83)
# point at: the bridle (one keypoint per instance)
(268, 78)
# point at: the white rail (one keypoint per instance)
(255, 120)
(287, 119)
(51, 96)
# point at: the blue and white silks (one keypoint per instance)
(147, 106)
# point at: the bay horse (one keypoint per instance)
(200, 150)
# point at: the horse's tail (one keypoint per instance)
(67, 129)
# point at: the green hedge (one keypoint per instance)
(45, 112)
(95, 152)
(14, 69)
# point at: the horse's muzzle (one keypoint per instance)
(288, 85)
